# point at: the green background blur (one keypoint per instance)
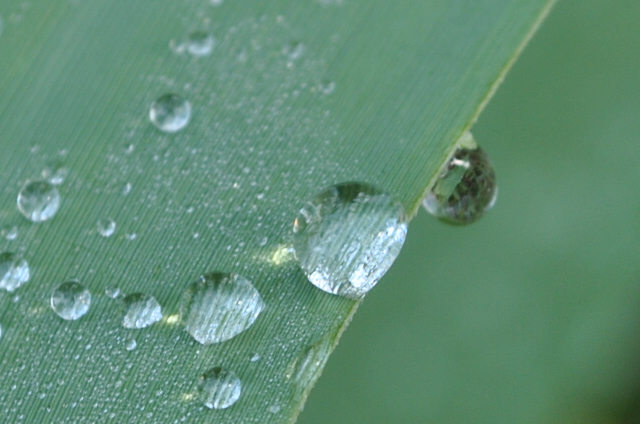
(532, 315)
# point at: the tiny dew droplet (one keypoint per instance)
(219, 388)
(130, 344)
(106, 227)
(307, 366)
(38, 201)
(347, 238)
(71, 300)
(274, 409)
(293, 51)
(467, 187)
(220, 306)
(112, 292)
(327, 87)
(55, 173)
(14, 271)
(10, 232)
(200, 43)
(141, 311)
(170, 113)
(255, 357)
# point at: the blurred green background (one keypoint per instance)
(532, 315)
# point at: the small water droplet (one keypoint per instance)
(170, 113)
(130, 344)
(348, 237)
(274, 409)
(307, 367)
(10, 232)
(217, 2)
(55, 173)
(106, 227)
(131, 236)
(293, 51)
(200, 43)
(141, 311)
(255, 357)
(127, 189)
(327, 87)
(263, 241)
(71, 300)
(220, 306)
(38, 201)
(112, 292)
(14, 271)
(0, 331)
(219, 388)
(467, 187)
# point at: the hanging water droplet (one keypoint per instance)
(38, 201)
(467, 188)
(71, 300)
(9, 232)
(130, 344)
(106, 227)
(170, 113)
(219, 388)
(220, 306)
(141, 311)
(200, 43)
(14, 271)
(348, 237)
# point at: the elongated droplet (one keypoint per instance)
(170, 113)
(219, 388)
(200, 43)
(38, 201)
(220, 306)
(106, 227)
(142, 310)
(348, 237)
(467, 187)
(306, 367)
(71, 300)
(14, 271)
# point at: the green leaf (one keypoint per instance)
(296, 96)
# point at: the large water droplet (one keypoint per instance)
(348, 237)
(219, 388)
(71, 300)
(106, 227)
(141, 311)
(170, 113)
(220, 306)
(200, 43)
(38, 201)
(14, 271)
(467, 188)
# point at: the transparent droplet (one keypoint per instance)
(130, 344)
(293, 51)
(200, 43)
(14, 271)
(274, 409)
(220, 306)
(9, 232)
(127, 189)
(219, 388)
(255, 357)
(131, 236)
(141, 311)
(38, 201)
(170, 113)
(348, 237)
(55, 173)
(106, 227)
(71, 300)
(467, 187)
(112, 292)
(216, 2)
(327, 87)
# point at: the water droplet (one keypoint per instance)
(0, 331)
(127, 189)
(274, 409)
(219, 388)
(293, 51)
(263, 241)
(348, 237)
(106, 227)
(14, 271)
(327, 87)
(71, 300)
(10, 232)
(130, 344)
(141, 311)
(200, 43)
(131, 236)
(220, 306)
(467, 188)
(217, 2)
(112, 292)
(55, 173)
(38, 201)
(255, 357)
(170, 113)
(307, 367)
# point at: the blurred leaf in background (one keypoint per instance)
(531, 315)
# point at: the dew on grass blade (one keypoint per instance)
(141, 311)
(219, 388)
(14, 271)
(38, 201)
(219, 306)
(106, 227)
(348, 236)
(467, 187)
(71, 300)
(170, 113)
